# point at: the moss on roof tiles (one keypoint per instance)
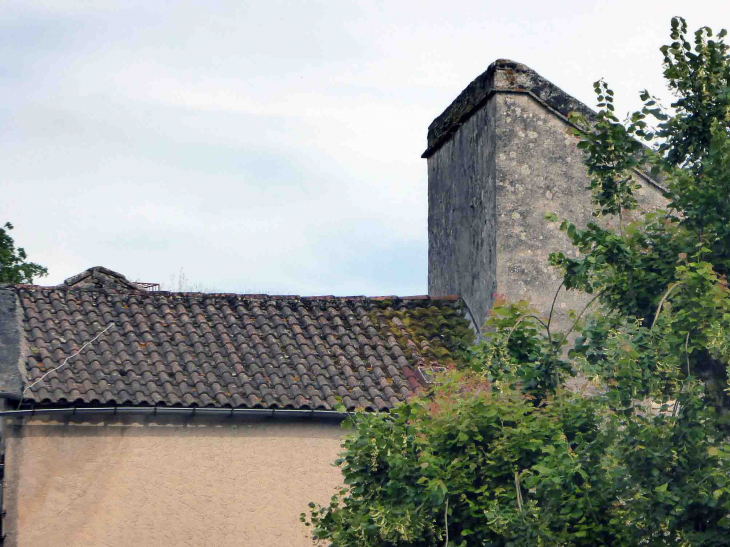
(441, 332)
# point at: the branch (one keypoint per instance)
(555, 298)
(661, 303)
(686, 354)
(520, 320)
(519, 493)
(621, 222)
(446, 523)
(565, 337)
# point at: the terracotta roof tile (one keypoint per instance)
(228, 350)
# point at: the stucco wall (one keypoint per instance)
(151, 483)
(539, 170)
(461, 214)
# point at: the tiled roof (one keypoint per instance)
(230, 350)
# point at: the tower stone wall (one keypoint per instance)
(500, 158)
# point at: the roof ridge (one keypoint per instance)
(246, 296)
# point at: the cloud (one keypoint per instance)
(267, 145)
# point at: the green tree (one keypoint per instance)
(13, 265)
(680, 257)
(498, 454)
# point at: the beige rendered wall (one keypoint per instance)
(173, 483)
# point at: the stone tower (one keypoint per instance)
(499, 158)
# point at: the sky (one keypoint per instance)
(271, 146)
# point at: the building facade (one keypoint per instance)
(153, 418)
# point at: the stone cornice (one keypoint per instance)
(502, 76)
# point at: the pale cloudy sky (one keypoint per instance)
(270, 146)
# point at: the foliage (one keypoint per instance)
(452, 462)
(485, 465)
(13, 265)
(516, 352)
(679, 257)
(499, 454)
